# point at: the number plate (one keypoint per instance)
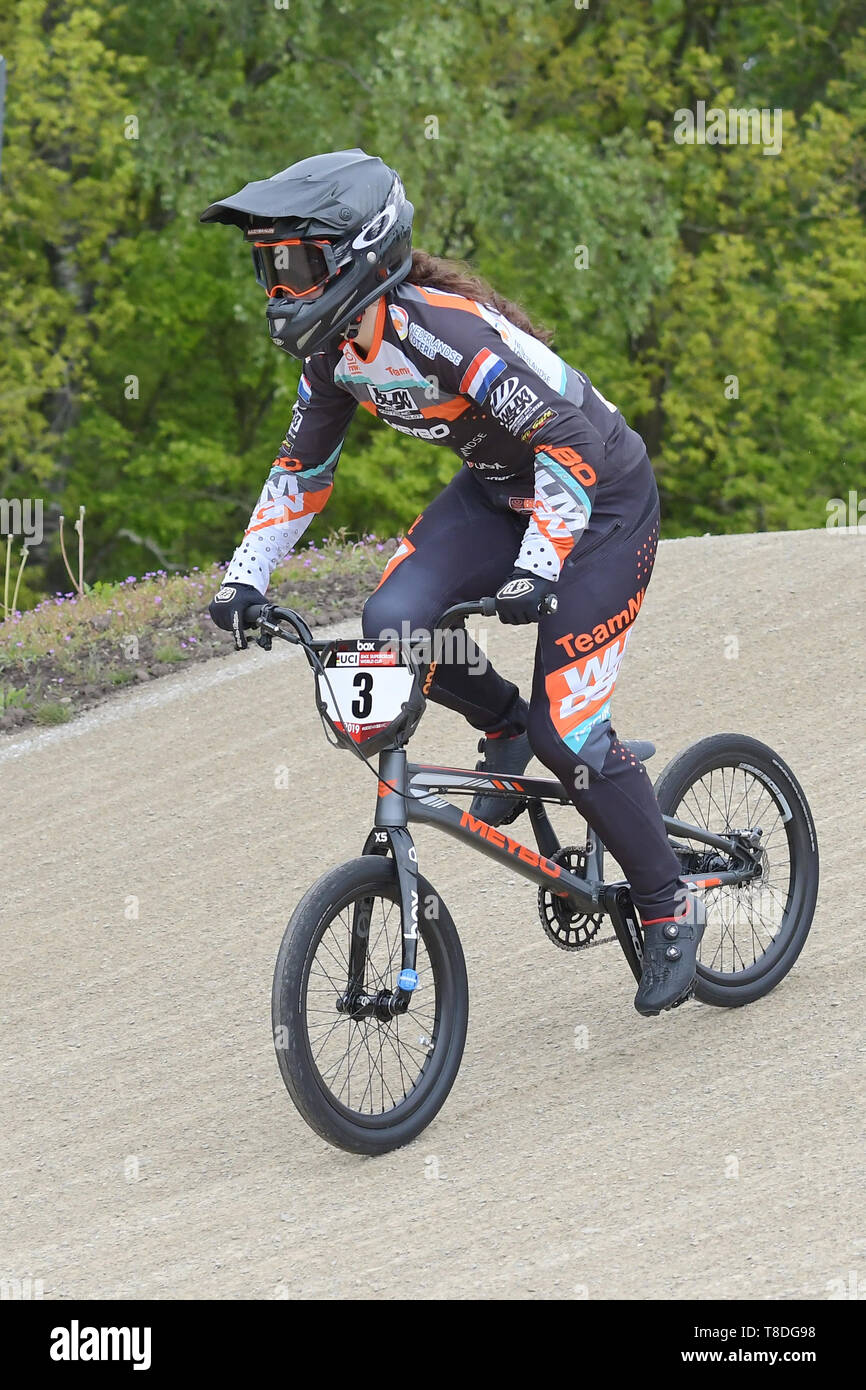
(366, 687)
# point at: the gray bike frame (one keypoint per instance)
(416, 793)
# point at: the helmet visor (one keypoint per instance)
(295, 268)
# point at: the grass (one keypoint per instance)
(168, 652)
(70, 651)
(10, 698)
(64, 624)
(53, 713)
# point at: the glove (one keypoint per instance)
(227, 609)
(519, 599)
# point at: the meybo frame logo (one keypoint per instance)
(737, 126)
(77, 1343)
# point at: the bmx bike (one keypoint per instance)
(370, 998)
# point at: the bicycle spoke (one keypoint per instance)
(373, 1065)
(742, 921)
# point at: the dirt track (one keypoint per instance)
(149, 1147)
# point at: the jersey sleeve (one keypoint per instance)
(301, 477)
(529, 397)
(564, 493)
(524, 387)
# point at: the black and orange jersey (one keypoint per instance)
(441, 367)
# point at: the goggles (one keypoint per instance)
(293, 267)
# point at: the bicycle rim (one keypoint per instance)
(746, 924)
(371, 1070)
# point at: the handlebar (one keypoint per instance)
(486, 608)
(483, 607)
(269, 615)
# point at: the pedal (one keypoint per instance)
(683, 999)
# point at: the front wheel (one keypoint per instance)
(364, 1079)
(755, 931)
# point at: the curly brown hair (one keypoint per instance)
(456, 278)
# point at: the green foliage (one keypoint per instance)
(53, 713)
(168, 652)
(136, 375)
(68, 181)
(13, 697)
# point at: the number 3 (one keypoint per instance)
(363, 683)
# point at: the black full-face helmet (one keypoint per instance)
(328, 236)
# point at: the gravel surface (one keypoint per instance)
(151, 859)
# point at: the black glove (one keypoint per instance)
(519, 599)
(227, 609)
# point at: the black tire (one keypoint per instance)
(437, 1053)
(788, 888)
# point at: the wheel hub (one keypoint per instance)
(384, 1005)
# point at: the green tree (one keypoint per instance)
(67, 185)
(536, 140)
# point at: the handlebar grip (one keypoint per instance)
(252, 614)
(488, 607)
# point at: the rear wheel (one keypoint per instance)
(755, 931)
(363, 1078)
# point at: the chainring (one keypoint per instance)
(567, 929)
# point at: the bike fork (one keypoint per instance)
(391, 835)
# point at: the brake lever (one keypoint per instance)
(268, 631)
(265, 638)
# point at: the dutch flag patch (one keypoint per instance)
(480, 375)
(304, 390)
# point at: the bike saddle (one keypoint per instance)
(641, 748)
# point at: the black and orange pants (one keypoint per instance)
(463, 547)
